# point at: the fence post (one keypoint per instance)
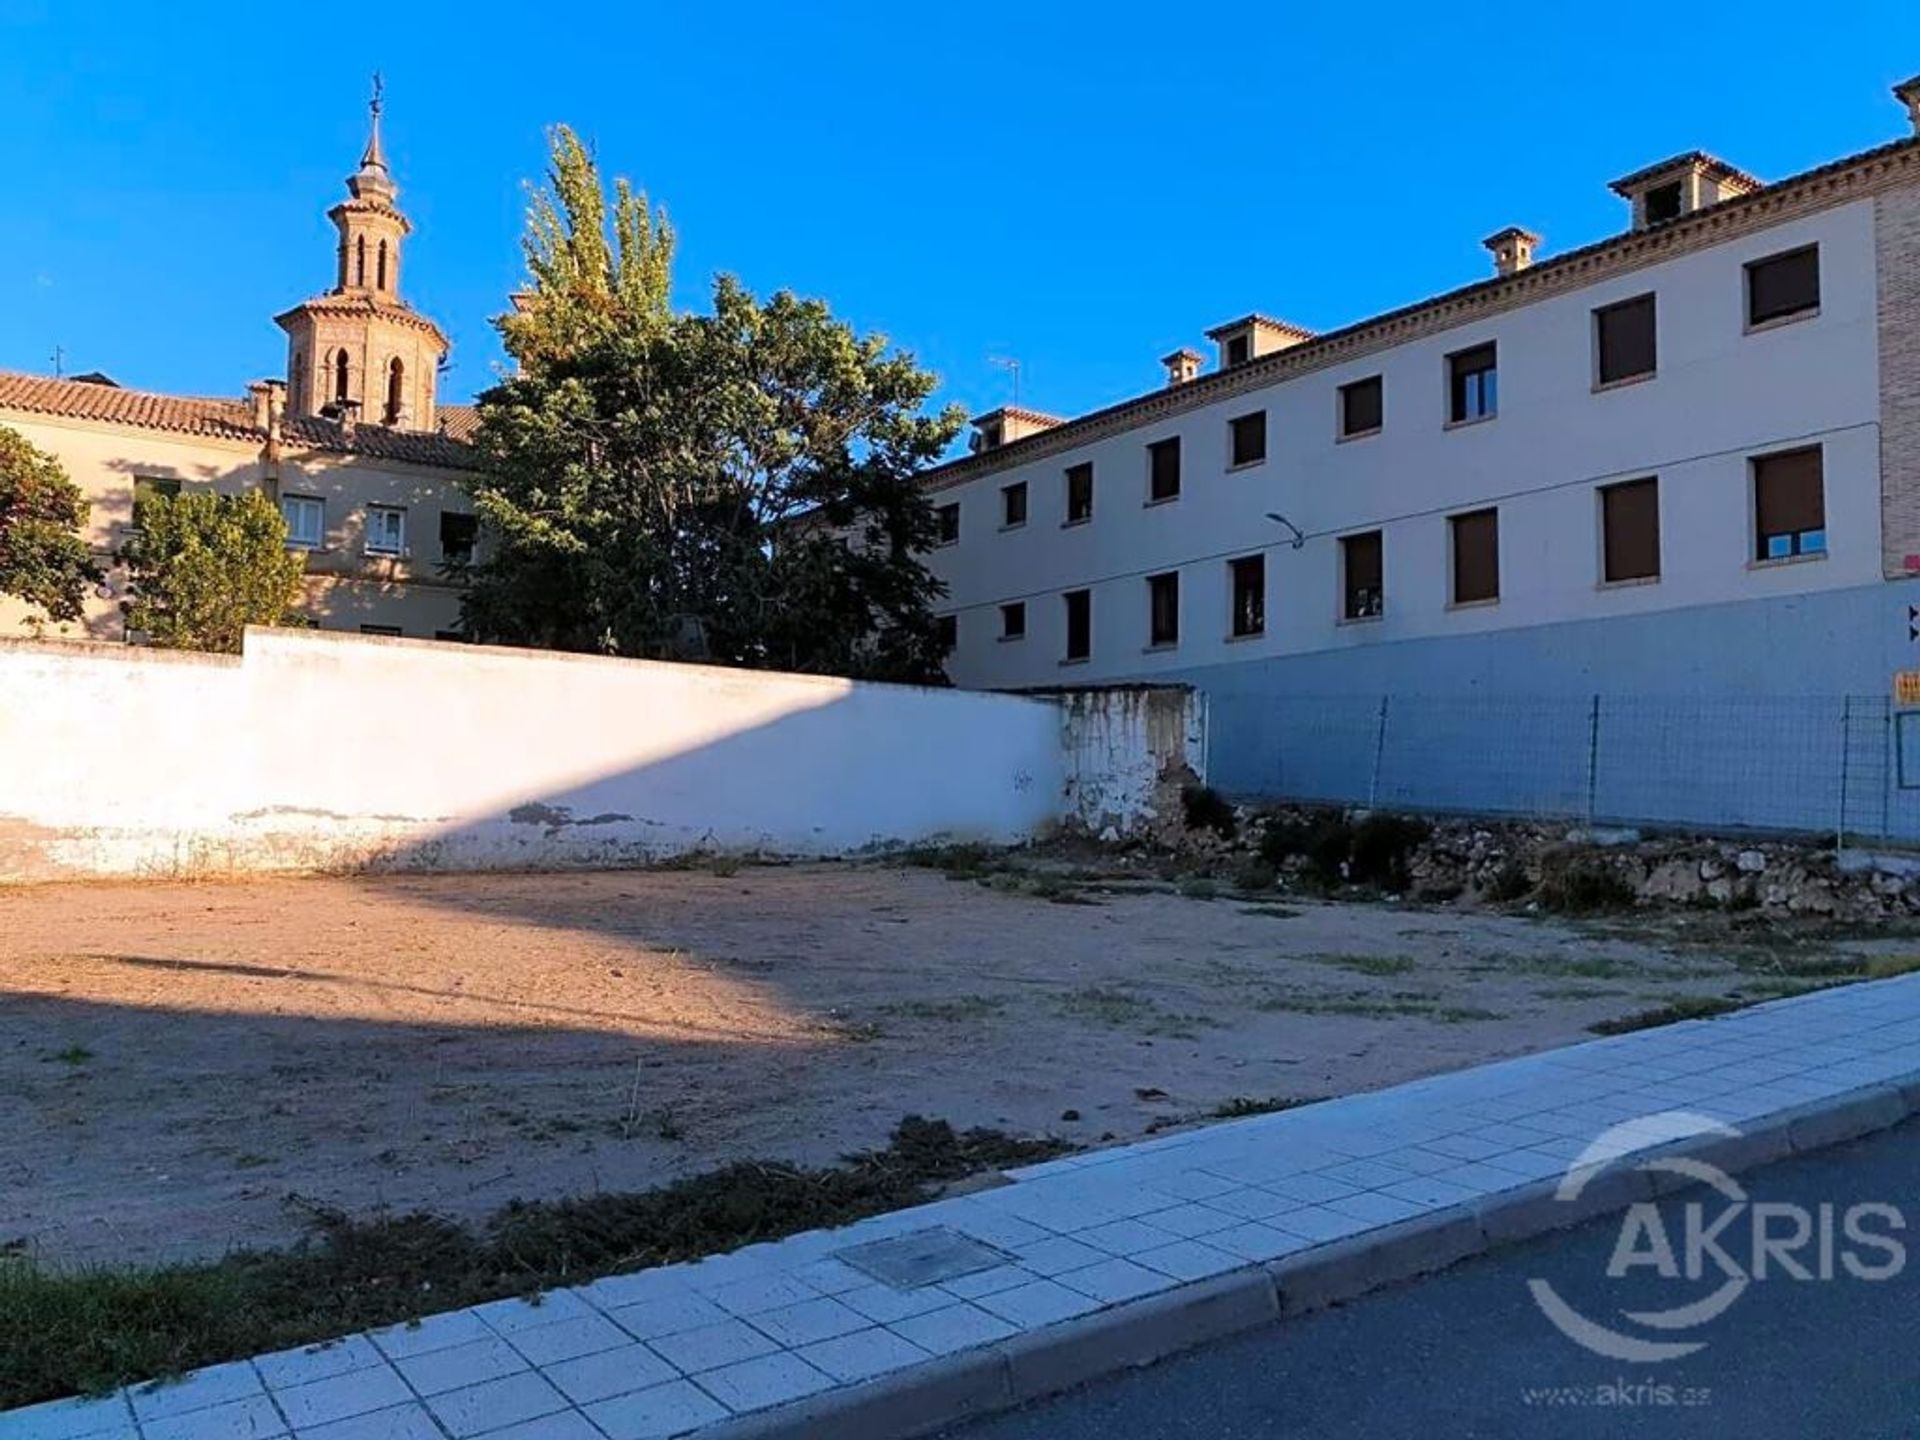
(1593, 759)
(1379, 748)
(1846, 748)
(1886, 770)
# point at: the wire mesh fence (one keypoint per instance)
(1846, 765)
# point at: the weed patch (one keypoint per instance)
(1688, 1007)
(90, 1330)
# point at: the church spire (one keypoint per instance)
(373, 180)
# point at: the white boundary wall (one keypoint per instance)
(317, 751)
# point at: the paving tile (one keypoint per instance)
(317, 1362)
(1193, 1185)
(1113, 1281)
(993, 1227)
(399, 1422)
(862, 1355)
(510, 1317)
(886, 1304)
(653, 1414)
(1044, 1302)
(985, 1282)
(1314, 1189)
(495, 1404)
(1257, 1241)
(1431, 1192)
(582, 1335)
(358, 1392)
(1052, 1257)
(1250, 1204)
(668, 1315)
(764, 1381)
(955, 1328)
(1189, 1221)
(67, 1419)
(712, 1346)
(607, 1373)
(818, 1319)
(567, 1425)
(611, 1292)
(759, 1293)
(441, 1370)
(1190, 1260)
(249, 1418)
(435, 1332)
(197, 1391)
(836, 1277)
(1123, 1237)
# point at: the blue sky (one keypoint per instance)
(1083, 188)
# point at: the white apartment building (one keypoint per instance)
(1685, 459)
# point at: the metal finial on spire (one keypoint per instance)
(375, 158)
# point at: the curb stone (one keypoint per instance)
(1032, 1366)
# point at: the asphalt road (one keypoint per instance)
(1469, 1353)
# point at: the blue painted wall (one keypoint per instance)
(1767, 714)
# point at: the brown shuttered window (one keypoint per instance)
(1163, 609)
(1473, 384)
(1626, 343)
(1013, 621)
(1079, 604)
(1789, 505)
(1013, 505)
(1079, 492)
(1630, 530)
(1163, 469)
(1476, 557)
(1783, 285)
(1361, 574)
(949, 520)
(1362, 406)
(948, 629)
(1249, 438)
(1249, 595)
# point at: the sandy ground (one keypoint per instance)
(182, 1064)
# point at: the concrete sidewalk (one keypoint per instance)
(1082, 1266)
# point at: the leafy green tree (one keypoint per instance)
(44, 558)
(740, 486)
(206, 566)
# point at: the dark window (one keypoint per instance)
(1013, 504)
(379, 629)
(453, 637)
(1473, 384)
(1079, 493)
(947, 628)
(949, 518)
(1476, 556)
(1249, 595)
(151, 487)
(396, 386)
(1362, 406)
(1079, 623)
(1789, 505)
(1239, 349)
(457, 535)
(1163, 609)
(360, 261)
(340, 373)
(1249, 436)
(1630, 530)
(990, 435)
(1783, 285)
(1662, 203)
(1361, 576)
(381, 282)
(1625, 337)
(1013, 620)
(1163, 469)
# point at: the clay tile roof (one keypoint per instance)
(460, 422)
(218, 418)
(1017, 412)
(1691, 160)
(1263, 322)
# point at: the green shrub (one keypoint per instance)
(1381, 847)
(1254, 875)
(1508, 882)
(1206, 808)
(1328, 848)
(1575, 881)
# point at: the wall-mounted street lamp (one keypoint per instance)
(1299, 538)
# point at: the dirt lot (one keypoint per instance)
(183, 1064)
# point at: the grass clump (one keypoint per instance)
(87, 1331)
(1508, 882)
(1687, 1007)
(1205, 808)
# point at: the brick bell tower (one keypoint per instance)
(359, 353)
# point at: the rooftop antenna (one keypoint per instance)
(1012, 367)
(59, 358)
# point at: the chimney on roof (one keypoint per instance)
(1183, 365)
(1679, 186)
(269, 405)
(1907, 92)
(1512, 249)
(346, 412)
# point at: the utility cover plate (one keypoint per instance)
(922, 1257)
